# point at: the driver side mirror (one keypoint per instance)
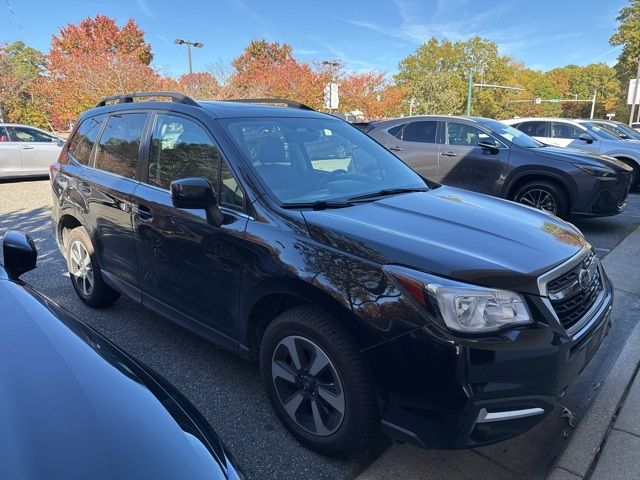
(20, 254)
(488, 144)
(585, 137)
(196, 193)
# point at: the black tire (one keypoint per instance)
(100, 294)
(359, 426)
(546, 192)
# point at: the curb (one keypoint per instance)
(581, 453)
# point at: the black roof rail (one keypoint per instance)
(128, 98)
(285, 101)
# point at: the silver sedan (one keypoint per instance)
(27, 151)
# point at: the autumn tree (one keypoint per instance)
(101, 35)
(201, 85)
(96, 58)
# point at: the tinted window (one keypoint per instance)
(565, 130)
(423, 132)
(463, 134)
(4, 135)
(119, 144)
(397, 130)
(533, 129)
(25, 134)
(81, 144)
(231, 195)
(181, 148)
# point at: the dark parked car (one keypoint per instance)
(374, 300)
(489, 157)
(75, 406)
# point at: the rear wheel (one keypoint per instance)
(544, 195)
(84, 271)
(318, 383)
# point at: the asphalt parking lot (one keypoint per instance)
(227, 389)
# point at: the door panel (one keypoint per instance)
(186, 262)
(109, 191)
(10, 160)
(465, 165)
(416, 144)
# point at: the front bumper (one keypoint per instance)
(453, 393)
(606, 196)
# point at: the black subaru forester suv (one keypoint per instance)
(374, 300)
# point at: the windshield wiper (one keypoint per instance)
(317, 205)
(388, 191)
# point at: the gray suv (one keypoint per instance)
(582, 134)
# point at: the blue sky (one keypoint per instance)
(366, 35)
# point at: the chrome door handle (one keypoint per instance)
(449, 154)
(395, 148)
(27, 147)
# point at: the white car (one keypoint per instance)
(27, 151)
(584, 135)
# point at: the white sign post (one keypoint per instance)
(633, 89)
(331, 96)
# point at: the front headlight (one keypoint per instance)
(460, 306)
(596, 171)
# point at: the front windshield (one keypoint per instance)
(308, 160)
(511, 134)
(599, 131)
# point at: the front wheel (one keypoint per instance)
(318, 383)
(545, 196)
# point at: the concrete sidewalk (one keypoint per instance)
(606, 444)
(517, 458)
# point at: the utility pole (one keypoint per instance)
(189, 44)
(635, 94)
(411, 106)
(593, 102)
(469, 91)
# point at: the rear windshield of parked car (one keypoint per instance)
(303, 160)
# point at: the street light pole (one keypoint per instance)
(593, 103)
(189, 44)
(469, 92)
(333, 65)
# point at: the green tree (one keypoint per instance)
(21, 69)
(436, 76)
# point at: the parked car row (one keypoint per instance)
(489, 157)
(374, 299)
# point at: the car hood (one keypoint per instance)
(584, 157)
(74, 406)
(453, 233)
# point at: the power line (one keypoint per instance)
(15, 16)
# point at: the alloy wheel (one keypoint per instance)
(81, 270)
(308, 386)
(539, 198)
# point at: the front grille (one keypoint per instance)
(570, 298)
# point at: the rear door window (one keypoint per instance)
(533, 129)
(81, 145)
(117, 151)
(421, 132)
(565, 130)
(465, 135)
